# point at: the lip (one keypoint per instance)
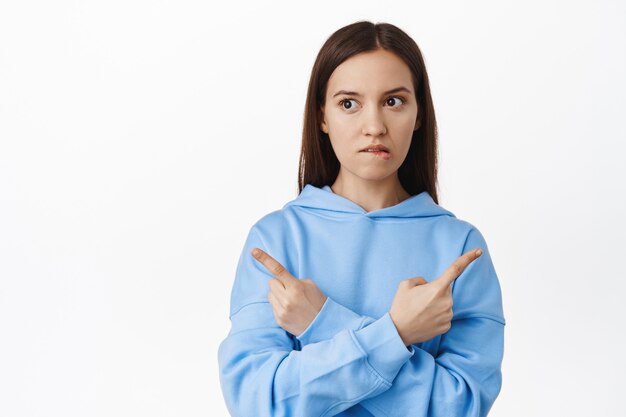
(379, 155)
(377, 147)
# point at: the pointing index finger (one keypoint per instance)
(458, 266)
(274, 267)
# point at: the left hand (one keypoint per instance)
(295, 302)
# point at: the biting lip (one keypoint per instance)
(375, 148)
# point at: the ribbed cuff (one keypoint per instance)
(330, 320)
(385, 350)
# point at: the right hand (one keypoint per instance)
(422, 310)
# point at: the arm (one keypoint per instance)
(331, 319)
(464, 378)
(262, 375)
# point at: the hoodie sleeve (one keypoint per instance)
(261, 374)
(332, 318)
(464, 378)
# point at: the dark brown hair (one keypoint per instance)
(319, 165)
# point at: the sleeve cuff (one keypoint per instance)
(385, 350)
(331, 319)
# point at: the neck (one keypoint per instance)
(371, 194)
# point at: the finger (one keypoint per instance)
(278, 290)
(415, 281)
(419, 281)
(274, 267)
(275, 302)
(457, 267)
(276, 285)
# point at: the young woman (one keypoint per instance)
(365, 297)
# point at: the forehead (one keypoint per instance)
(370, 72)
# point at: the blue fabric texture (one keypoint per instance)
(351, 361)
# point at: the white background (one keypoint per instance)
(140, 140)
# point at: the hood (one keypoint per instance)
(324, 199)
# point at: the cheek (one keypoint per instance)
(343, 135)
(404, 129)
(340, 124)
(405, 121)
(343, 150)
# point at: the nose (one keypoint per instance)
(373, 122)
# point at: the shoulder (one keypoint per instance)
(270, 225)
(274, 233)
(468, 230)
(458, 229)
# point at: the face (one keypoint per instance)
(361, 109)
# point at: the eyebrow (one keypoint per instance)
(354, 93)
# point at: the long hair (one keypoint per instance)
(318, 163)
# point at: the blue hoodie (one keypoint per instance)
(351, 361)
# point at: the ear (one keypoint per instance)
(418, 120)
(323, 124)
(418, 123)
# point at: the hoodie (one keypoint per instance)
(351, 361)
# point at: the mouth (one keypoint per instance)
(375, 148)
(385, 155)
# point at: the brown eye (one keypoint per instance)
(343, 104)
(392, 98)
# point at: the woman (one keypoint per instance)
(347, 308)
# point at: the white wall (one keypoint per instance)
(139, 141)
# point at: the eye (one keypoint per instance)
(342, 103)
(395, 97)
